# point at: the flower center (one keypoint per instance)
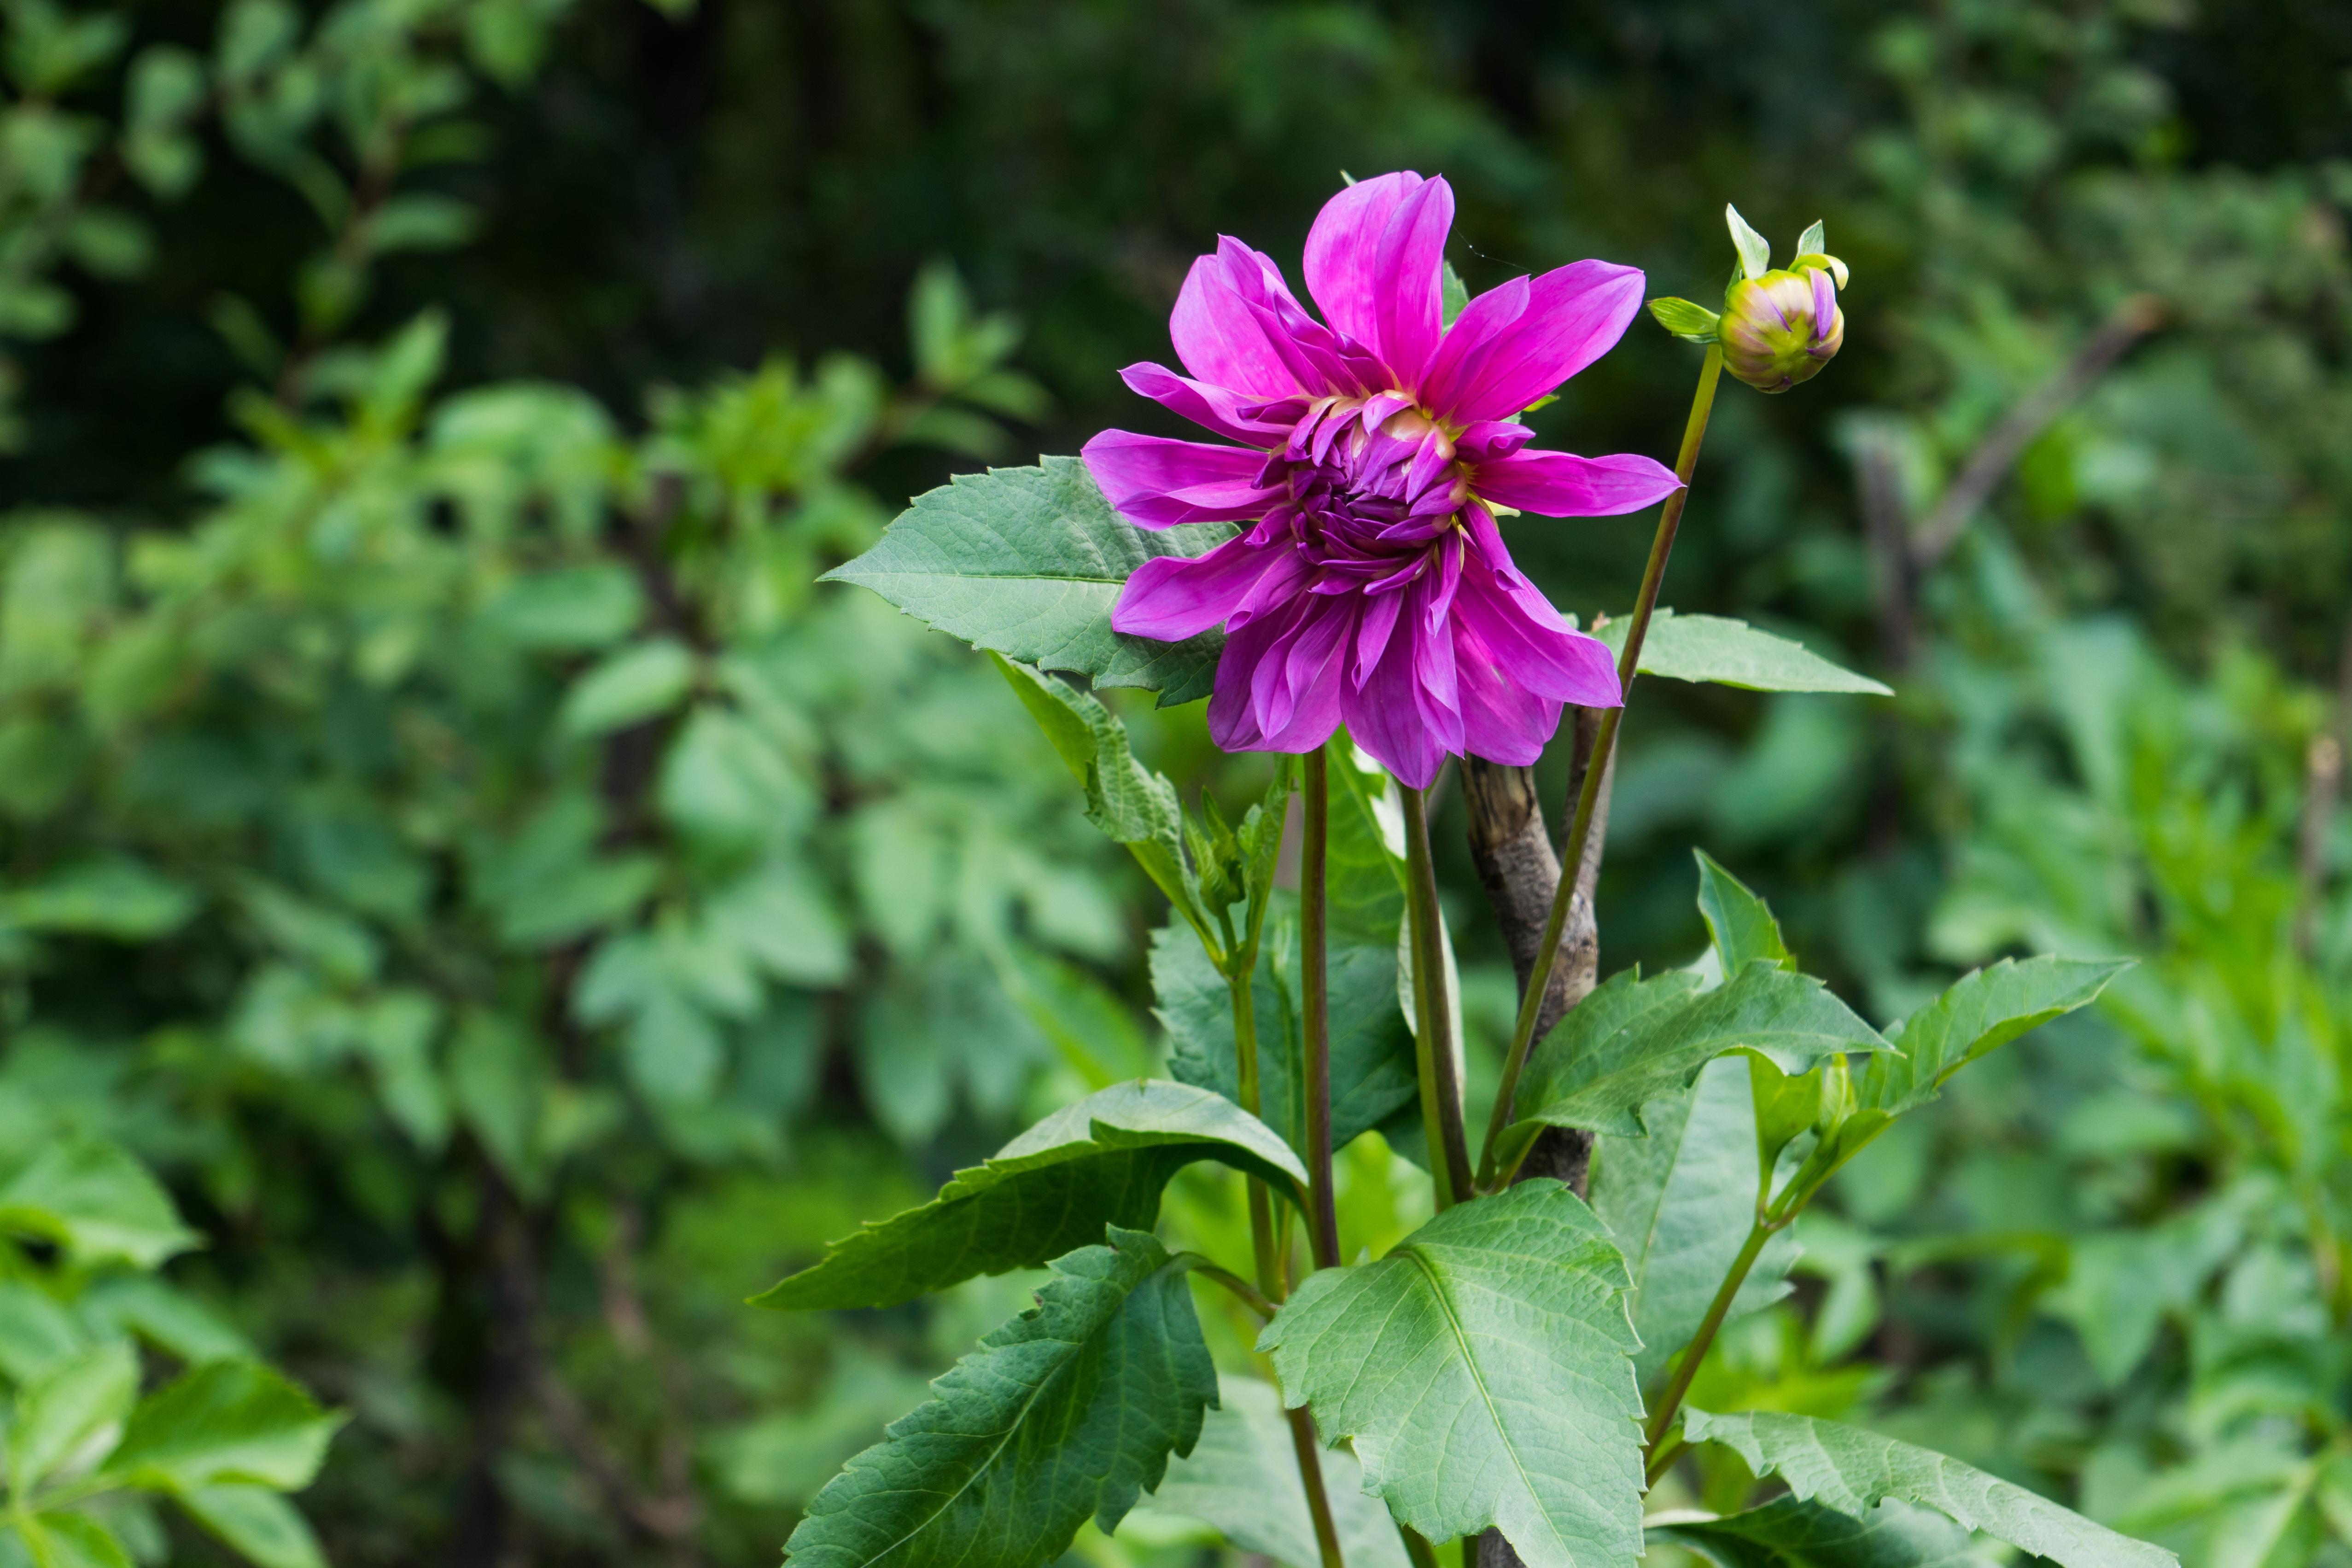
(1374, 486)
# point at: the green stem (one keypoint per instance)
(1248, 1294)
(1717, 1310)
(1417, 1547)
(1662, 546)
(1318, 1503)
(1441, 1075)
(1267, 1298)
(1322, 1208)
(1664, 1460)
(1261, 1198)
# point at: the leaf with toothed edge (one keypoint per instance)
(1981, 1011)
(1482, 1373)
(1853, 1470)
(1648, 1040)
(1103, 1161)
(1740, 923)
(1028, 562)
(1786, 1533)
(1068, 1412)
(1726, 652)
(1978, 1013)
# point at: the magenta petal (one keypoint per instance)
(1470, 342)
(1486, 440)
(1169, 598)
(1394, 714)
(1312, 696)
(1232, 721)
(1380, 610)
(1502, 721)
(1212, 408)
(1562, 485)
(1573, 315)
(1406, 287)
(1218, 336)
(1530, 641)
(1295, 690)
(1343, 251)
(1156, 482)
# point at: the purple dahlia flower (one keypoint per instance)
(1373, 585)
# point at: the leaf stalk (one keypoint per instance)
(1322, 1206)
(1440, 1075)
(1318, 1501)
(1267, 1260)
(1701, 1342)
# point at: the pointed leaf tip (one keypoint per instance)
(1853, 1470)
(1755, 250)
(1460, 1417)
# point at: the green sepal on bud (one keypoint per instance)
(1691, 323)
(1780, 326)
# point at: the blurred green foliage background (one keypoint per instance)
(445, 834)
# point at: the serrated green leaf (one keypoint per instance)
(1101, 1161)
(1372, 1051)
(1242, 1477)
(71, 1414)
(1740, 923)
(1728, 652)
(96, 1202)
(1853, 1470)
(229, 1421)
(1647, 1041)
(1680, 1203)
(1481, 1372)
(1981, 1011)
(260, 1524)
(1755, 250)
(1028, 562)
(1067, 1412)
(1786, 1533)
(1129, 803)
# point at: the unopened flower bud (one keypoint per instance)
(1782, 329)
